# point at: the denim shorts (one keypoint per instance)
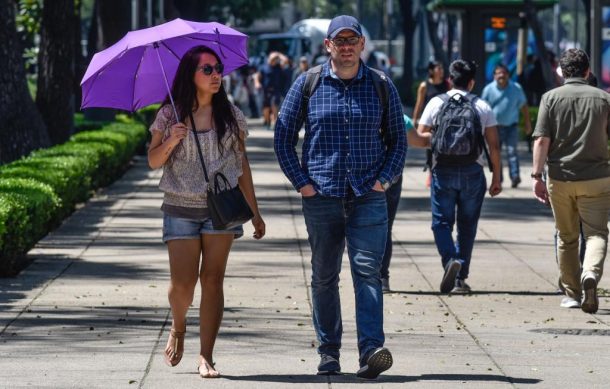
(179, 228)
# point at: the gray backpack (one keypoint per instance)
(457, 134)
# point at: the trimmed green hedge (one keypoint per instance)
(38, 191)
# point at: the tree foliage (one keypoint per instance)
(29, 14)
(240, 12)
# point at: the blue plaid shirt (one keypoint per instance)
(343, 146)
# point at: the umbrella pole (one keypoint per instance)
(169, 92)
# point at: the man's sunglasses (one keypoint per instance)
(352, 40)
(207, 69)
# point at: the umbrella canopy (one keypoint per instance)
(138, 70)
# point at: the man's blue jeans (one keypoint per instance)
(509, 137)
(462, 188)
(361, 222)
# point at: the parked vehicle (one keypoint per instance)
(304, 38)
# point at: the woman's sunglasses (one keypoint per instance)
(207, 69)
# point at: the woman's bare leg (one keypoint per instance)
(215, 253)
(184, 257)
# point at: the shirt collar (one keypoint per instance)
(576, 80)
(327, 71)
(498, 86)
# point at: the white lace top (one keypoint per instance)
(183, 182)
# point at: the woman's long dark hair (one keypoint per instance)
(184, 93)
(433, 65)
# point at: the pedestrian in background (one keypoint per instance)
(571, 135)
(345, 169)
(273, 81)
(302, 68)
(434, 85)
(392, 196)
(458, 180)
(507, 99)
(196, 250)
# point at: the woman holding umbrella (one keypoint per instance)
(206, 113)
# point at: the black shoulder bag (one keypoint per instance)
(228, 206)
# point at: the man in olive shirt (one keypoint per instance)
(572, 134)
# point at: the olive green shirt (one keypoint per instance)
(576, 117)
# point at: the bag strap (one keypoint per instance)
(205, 171)
(312, 78)
(380, 82)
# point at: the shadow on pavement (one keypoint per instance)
(350, 378)
(478, 292)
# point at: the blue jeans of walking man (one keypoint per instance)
(462, 188)
(509, 137)
(361, 223)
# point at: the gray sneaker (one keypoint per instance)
(385, 285)
(329, 365)
(590, 302)
(375, 363)
(451, 271)
(461, 287)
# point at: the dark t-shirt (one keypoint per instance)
(576, 117)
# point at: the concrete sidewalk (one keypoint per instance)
(91, 311)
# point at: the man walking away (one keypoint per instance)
(347, 164)
(459, 124)
(572, 138)
(506, 98)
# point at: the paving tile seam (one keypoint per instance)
(81, 254)
(456, 317)
(153, 352)
(518, 258)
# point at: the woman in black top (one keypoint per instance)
(434, 85)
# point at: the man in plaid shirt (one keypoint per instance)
(346, 166)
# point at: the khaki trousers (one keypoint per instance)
(589, 202)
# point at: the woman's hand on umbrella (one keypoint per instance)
(176, 133)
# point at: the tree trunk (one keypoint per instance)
(197, 10)
(21, 128)
(408, 28)
(79, 60)
(92, 35)
(114, 21)
(55, 97)
(437, 45)
(587, 5)
(532, 19)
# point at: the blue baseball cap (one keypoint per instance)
(343, 22)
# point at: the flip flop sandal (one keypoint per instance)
(173, 358)
(203, 363)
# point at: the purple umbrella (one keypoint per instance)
(138, 70)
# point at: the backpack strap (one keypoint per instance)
(380, 82)
(312, 79)
(473, 99)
